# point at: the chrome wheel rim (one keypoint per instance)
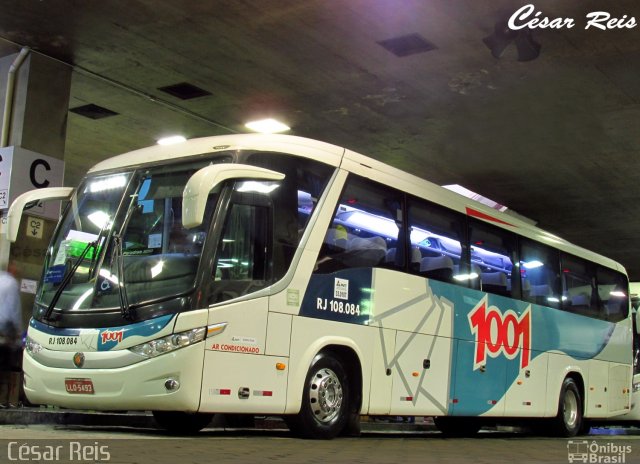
(325, 395)
(570, 409)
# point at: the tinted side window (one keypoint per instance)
(245, 252)
(293, 200)
(578, 286)
(540, 279)
(365, 231)
(438, 236)
(493, 250)
(613, 291)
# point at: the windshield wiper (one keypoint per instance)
(67, 278)
(118, 255)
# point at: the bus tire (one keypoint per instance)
(182, 423)
(457, 426)
(324, 412)
(568, 421)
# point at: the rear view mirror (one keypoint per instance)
(18, 205)
(206, 180)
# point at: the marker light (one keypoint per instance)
(267, 126)
(169, 343)
(216, 329)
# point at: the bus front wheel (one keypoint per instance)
(182, 423)
(325, 400)
(568, 422)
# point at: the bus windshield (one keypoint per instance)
(121, 243)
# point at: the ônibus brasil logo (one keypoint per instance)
(500, 333)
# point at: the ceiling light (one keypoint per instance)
(99, 218)
(107, 183)
(464, 277)
(257, 187)
(172, 140)
(533, 264)
(267, 126)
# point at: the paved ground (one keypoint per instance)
(379, 443)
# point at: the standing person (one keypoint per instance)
(10, 329)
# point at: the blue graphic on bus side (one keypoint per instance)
(109, 338)
(496, 338)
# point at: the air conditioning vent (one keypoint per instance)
(184, 91)
(92, 111)
(406, 45)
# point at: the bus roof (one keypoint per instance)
(353, 162)
(301, 146)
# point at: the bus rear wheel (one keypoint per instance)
(182, 423)
(325, 400)
(568, 422)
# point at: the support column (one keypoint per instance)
(34, 99)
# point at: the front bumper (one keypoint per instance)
(139, 386)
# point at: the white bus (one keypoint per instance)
(276, 275)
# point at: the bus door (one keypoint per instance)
(237, 375)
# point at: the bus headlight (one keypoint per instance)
(169, 343)
(32, 346)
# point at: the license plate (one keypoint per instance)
(79, 386)
(63, 341)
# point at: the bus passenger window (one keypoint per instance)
(578, 292)
(613, 291)
(437, 233)
(539, 274)
(493, 252)
(365, 229)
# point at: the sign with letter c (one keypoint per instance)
(32, 173)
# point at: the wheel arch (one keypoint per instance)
(576, 376)
(569, 420)
(353, 366)
(341, 347)
(555, 380)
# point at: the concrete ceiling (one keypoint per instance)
(556, 139)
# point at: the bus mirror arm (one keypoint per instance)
(18, 205)
(204, 181)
